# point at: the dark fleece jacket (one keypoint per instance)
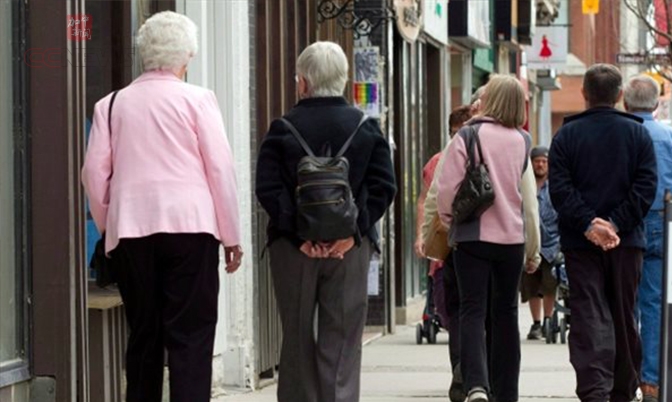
(324, 122)
(602, 164)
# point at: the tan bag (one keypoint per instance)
(436, 243)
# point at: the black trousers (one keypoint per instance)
(482, 267)
(452, 295)
(169, 284)
(604, 344)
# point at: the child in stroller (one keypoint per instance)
(557, 325)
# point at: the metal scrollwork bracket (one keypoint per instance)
(361, 20)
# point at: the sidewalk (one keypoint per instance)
(395, 369)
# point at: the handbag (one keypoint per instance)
(436, 244)
(100, 263)
(475, 194)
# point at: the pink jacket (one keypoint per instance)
(167, 166)
(505, 151)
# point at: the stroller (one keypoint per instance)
(431, 323)
(557, 325)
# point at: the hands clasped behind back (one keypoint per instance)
(603, 234)
(335, 249)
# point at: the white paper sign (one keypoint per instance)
(373, 288)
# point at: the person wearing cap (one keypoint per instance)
(541, 285)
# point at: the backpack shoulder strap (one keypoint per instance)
(352, 136)
(298, 137)
(528, 145)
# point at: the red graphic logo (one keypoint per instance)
(79, 27)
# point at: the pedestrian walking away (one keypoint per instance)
(443, 275)
(641, 98)
(159, 175)
(602, 199)
(489, 248)
(316, 266)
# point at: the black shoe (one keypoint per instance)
(535, 332)
(456, 391)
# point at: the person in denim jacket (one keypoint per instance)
(641, 99)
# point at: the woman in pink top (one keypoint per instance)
(160, 178)
(490, 249)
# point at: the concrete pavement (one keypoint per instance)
(395, 369)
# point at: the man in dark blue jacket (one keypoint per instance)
(602, 181)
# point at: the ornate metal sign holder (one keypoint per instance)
(362, 20)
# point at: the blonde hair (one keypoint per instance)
(504, 101)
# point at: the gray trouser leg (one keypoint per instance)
(295, 283)
(342, 300)
(329, 372)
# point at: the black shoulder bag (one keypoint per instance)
(100, 263)
(475, 194)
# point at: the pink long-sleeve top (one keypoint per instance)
(505, 152)
(167, 166)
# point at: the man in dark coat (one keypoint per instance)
(602, 182)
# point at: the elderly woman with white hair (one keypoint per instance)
(160, 178)
(327, 275)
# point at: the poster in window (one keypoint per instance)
(366, 86)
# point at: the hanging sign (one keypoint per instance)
(549, 48)
(435, 19)
(591, 6)
(409, 18)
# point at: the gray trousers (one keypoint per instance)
(327, 369)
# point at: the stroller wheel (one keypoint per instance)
(548, 331)
(418, 334)
(563, 331)
(431, 337)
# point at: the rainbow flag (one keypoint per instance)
(366, 93)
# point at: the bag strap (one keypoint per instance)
(470, 138)
(109, 112)
(298, 137)
(345, 146)
(478, 147)
(528, 145)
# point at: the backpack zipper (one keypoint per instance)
(318, 203)
(322, 183)
(322, 170)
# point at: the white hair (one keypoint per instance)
(325, 68)
(641, 93)
(167, 41)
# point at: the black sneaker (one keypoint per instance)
(535, 332)
(456, 391)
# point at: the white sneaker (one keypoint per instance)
(477, 394)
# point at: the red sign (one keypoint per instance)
(662, 18)
(79, 27)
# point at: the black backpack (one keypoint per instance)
(325, 206)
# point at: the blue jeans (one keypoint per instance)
(649, 299)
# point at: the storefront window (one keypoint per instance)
(12, 350)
